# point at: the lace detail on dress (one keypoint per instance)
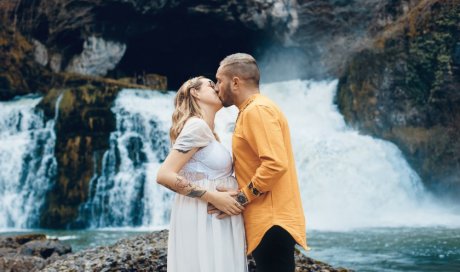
(227, 182)
(213, 160)
(193, 176)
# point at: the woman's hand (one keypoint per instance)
(224, 201)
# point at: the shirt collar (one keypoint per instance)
(248, 101)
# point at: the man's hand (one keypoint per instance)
(213, 210)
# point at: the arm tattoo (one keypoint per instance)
(183, 151)
(187, 188)
(181, 184)
(196, 193)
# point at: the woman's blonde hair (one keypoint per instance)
(186, 106)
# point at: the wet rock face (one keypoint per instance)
(98, 57)
(19, 72)
(406, 89)
(330, 31)
(83, 127)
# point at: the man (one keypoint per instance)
(264, 167)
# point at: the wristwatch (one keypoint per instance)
(241, 198)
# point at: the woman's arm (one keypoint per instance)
(168, 176)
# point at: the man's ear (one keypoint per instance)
(236, 82)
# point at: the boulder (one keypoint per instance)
(29, 252)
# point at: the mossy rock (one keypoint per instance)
(406, 89)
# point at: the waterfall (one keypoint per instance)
(27, 162)
(347, 180)
(125, 193)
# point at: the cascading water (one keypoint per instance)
(27, 162)
(365, 208)
(126, 194)
(347, 180)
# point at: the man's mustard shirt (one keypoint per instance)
(266, 172)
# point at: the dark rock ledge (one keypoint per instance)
(146, 252)
(30, 252)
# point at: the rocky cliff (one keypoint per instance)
(406, 89)
(291, 39)
(173, 38)
(19, 72)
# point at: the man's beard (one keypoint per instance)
(227, 102)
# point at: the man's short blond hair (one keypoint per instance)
(241, 65)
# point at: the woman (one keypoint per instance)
(196, 165)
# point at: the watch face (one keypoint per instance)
(242, 199)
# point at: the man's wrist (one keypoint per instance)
(250, 192)
(251, 188)
(241, 198)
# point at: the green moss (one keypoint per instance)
(67, 103)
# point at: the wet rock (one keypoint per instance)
(98, 57)
(44, 249)
(152, 81)
(29, 252)
(20, 74)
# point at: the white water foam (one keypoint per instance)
(126, 194)
(350, 180)
(27, 163)
(347, 180)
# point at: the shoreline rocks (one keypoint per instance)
(147, 252)
(29, 252)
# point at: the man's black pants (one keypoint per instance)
(275, 253)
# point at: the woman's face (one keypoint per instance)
(207, 94)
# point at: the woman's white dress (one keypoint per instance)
(198, 241)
